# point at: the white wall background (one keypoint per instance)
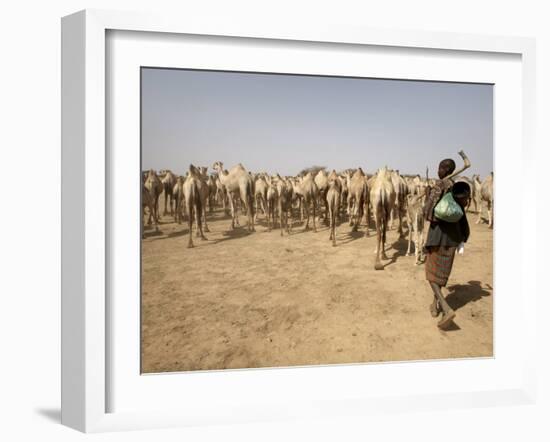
(30, 219)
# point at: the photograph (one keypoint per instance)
(308, 220)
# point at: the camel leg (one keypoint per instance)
(378, 264)
(199, 224)
(198, 216)
(190, 223)
(314, 206)
(333, 227)
(367, 218)
(289, 220)
(306, 208)
(478, 221)
(232, 208)
(490, 213)
(206, 229)
(384, 229)
(409, 245)
(281, 219)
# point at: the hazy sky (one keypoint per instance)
(284, 123)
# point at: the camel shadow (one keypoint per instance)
(160, 236)
(462, 294)
(393, 259)
(351, 236)
(400, 246)
(151, 234)
(238, 232)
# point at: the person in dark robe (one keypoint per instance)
(444, 238)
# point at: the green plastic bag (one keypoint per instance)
(447, 209)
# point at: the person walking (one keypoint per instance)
(445, 237)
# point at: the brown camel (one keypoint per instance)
(193, 201)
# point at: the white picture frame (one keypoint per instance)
(85, 198)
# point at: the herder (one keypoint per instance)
(444, 237)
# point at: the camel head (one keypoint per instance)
(218, 166)
(193, 171)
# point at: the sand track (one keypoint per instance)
(261, 300)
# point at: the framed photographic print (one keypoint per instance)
(264, 224)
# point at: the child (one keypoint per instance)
(443, 239)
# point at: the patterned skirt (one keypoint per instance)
(439, 263)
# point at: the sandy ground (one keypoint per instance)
(244, 300)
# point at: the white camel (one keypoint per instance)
(333, 202)
(168, 183)
(238, 183)
(415, 222)
(487, 198)
(383, 201)
(155, 187)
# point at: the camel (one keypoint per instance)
(333, 201)
(358, 199)
(272, 201)
(238, 184)
(168, 183)
(205, 194)
(260, 195)
(177, 192)
(399, 208)
(321, 181)
(415, 222)
(221, 194)
(476, 192)
(343, 194)
(147, 201)
(212, 189)
(193, 201)
(473, 196)
(284, 202)
(155, 187)
(487, 197)
(383, 199)
(307, 192)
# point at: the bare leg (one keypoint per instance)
(448, 312)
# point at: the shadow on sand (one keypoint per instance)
(462, 294)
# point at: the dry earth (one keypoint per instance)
(261, 300)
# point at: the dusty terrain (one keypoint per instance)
(261, 300)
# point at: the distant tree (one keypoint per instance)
(313, 169)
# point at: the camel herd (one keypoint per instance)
(314, 196)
